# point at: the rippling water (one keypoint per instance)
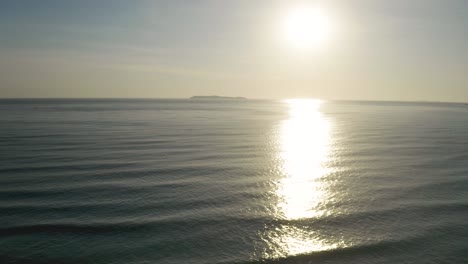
(187, 181)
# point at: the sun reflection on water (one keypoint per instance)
(304, 142)
(304, 147)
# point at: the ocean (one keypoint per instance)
(232, 181)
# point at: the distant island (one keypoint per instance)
(216, 97)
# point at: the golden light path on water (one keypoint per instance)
(304, 141)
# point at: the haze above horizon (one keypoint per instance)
(340, 50)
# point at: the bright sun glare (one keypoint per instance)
(307, 27)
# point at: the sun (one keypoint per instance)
(307, 27)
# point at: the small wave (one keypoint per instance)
(376, 252)
(69, 228)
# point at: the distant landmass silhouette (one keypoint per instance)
(215, 97)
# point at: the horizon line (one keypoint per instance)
(264, 99)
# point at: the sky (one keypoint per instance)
(377, 50)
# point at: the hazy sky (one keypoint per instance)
(383, 50)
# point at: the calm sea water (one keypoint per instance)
(188, 181)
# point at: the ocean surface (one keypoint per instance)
(233, 181)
